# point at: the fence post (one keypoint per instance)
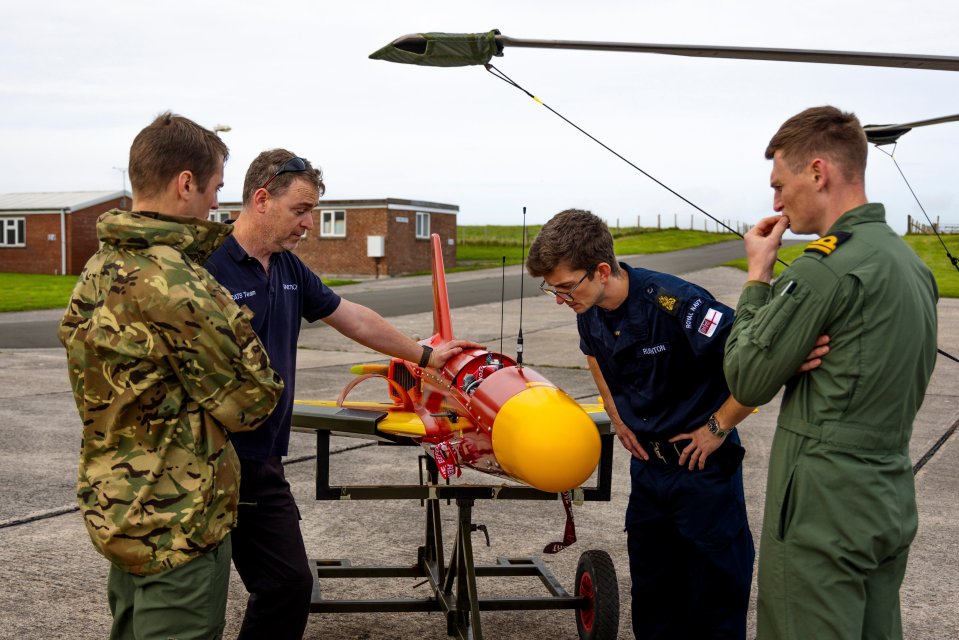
(659, 224)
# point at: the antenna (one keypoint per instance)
(502, 306)
(522, 277)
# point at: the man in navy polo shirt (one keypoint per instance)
(257, 266)
(654, 344)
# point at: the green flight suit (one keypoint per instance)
(840, 503)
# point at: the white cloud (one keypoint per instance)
(78, 80)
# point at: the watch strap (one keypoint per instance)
(425, 358)
(713, 425)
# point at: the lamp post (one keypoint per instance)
(218, 129)
(123, 177)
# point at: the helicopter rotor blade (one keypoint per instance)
(888, 133)
(465, 49)
(857, 58)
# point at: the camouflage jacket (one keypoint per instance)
(163, 364)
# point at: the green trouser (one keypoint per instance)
(185, 603)
(836, 534)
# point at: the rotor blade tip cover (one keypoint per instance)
(442, 49)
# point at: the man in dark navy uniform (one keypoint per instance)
(654, 344)
(257, 266)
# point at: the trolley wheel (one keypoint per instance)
(598, 618)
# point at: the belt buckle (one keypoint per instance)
(659, 454)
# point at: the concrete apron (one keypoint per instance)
(52, 582)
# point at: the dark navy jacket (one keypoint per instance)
(665, 369)
(278, 301)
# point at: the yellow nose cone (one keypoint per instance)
(543, 438)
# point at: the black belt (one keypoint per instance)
(663, 451)
(727, 457)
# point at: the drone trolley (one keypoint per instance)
(595, 597)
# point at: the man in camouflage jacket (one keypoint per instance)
(163, 364)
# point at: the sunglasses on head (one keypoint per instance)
(293, 165)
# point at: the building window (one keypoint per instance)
(333, 225)
(218, 215)
(422, 225)
(13, 232)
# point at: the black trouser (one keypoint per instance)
(690, 551)
(269, 554)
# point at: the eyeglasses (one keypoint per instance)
(293, 165)
(565, 296)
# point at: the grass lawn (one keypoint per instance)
(927, 247)
(486, 245)
(29, 291)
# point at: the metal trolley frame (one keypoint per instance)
(453, 583)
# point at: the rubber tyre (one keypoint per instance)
(596, 581)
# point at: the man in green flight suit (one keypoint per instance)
(840, 502)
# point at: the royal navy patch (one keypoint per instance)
(827, 244)
(668, 302)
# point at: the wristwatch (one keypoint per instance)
(713, 425)
(425, 358)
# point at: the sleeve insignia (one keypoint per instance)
(668, 302)
(710, 322)
(827, 244)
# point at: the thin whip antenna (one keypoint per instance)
(502, 307)
(952, 259)
(522, 277)
(891, 154)
(496, 73)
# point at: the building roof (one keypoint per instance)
(372, 203)
(54, 201)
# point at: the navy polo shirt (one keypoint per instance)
(661, 353)
(278, 300)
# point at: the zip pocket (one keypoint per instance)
(781, 311)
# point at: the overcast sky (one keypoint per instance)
(78, 80)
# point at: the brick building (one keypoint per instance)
(52, 233)
(55, 233)
(347, 234)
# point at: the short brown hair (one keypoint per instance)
(265, 166)
(822, 131)
(574, 237)
(169, 145)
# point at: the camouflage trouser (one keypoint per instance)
(185, 603)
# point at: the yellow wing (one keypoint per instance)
(383, 417)
(395, 421)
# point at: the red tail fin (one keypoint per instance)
(442, 325)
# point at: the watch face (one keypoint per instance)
(714, 427)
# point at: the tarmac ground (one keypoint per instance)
(53, 583)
